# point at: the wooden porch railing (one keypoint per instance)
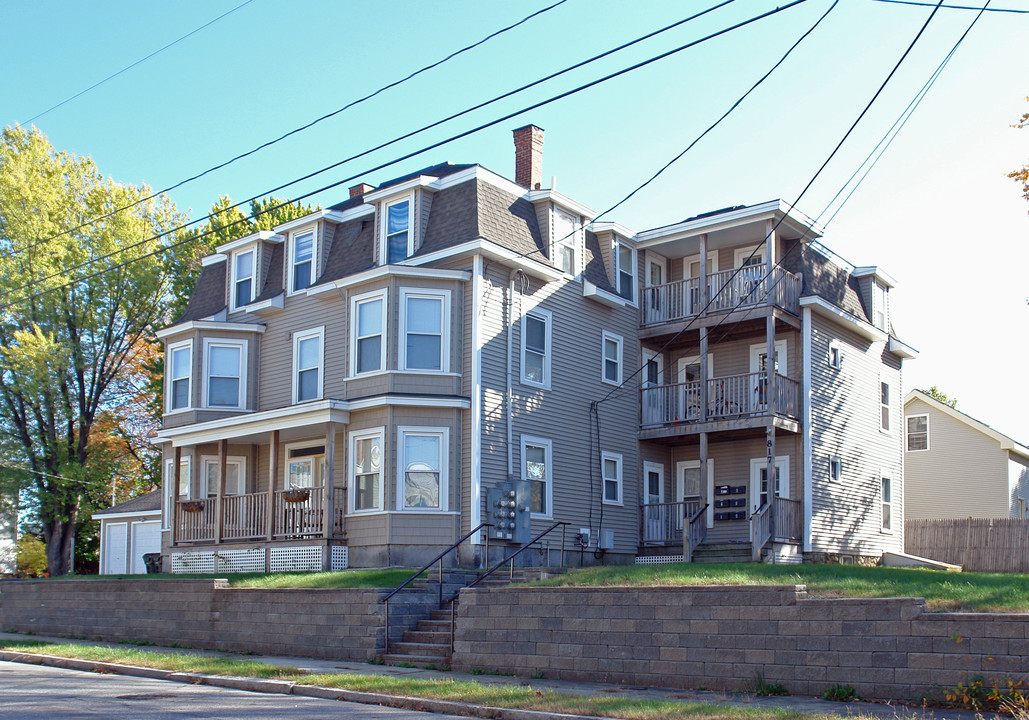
(728, 397)
(302, 518)
(195, 520)
(662, 523)
(339, 504)
(780, 520)
(729, 289)
(244, 516)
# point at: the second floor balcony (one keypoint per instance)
(727, 290)
(680, 407)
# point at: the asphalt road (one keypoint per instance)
(33, 692)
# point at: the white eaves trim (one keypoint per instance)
(209, 325)
(878, 273)
(410, 401)
(265, 235)
(620, 230)
(478, 172)
(391, 271)
(901, 349)
(712, 223)
(293, 416)
(213, 259)
(333, 215)
(493, 251)
(591, 291)
(141, 513)
(862, 328)
(1006, 443)
(400, 188)
(272, 303)
(560, 200)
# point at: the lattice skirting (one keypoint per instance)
(192, 562)
(658, 559)
(295, 559)
(339, 559)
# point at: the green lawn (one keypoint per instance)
(943, 591)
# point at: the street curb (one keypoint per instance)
(287, 687)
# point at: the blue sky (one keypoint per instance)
(936, 212)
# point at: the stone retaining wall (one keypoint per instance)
(724, 637)
(344, 624)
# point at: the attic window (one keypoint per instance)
(880, 308)
(566, 239)
(398, 231)
(301, 269)
(626, 271)
(243, 279)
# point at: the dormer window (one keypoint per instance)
(880, 309)
(625, 271)
(301, 267)
(398, 231)
(564, 249)
(243, 278)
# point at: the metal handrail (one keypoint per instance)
(429, 564)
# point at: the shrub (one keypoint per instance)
(31, 557)
(839, 693)
(761, 687)
(991, 695)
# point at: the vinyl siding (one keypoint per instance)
(1018, 482)
(845, 419)
(964, 473)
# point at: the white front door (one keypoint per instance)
(655, 398)
(759, 490)
(758, 399)
(691, 270)
(688, 485)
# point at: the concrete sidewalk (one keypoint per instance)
(314, 666)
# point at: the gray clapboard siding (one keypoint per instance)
(845, 418)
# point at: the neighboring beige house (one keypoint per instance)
(957, 467)
(128, 531)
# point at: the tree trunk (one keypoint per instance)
(59, 536)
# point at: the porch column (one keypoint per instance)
(329, 480)
(704, 370)
(703, 272)
(175, 480)
(273, 482)
(772, 248)
(219, 520)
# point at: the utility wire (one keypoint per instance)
(389, 163)
(953, 7)
(300, 129)
(141, 60)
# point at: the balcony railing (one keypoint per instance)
(732, 396)
(661, 523)
(729, 290)
(781, 520)
(245, 517)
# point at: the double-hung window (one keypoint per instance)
(536, 348)
(626, 275)
(235, 475)
(422, 468)
(566, 242)
(243, 281)
(612, 351)
(180, 363)
(886, 488)
(366, 470)
(302, 264)
(225, 378)
(918, 432)
(423, 321)
(368, 333)
(536, 465)
(612, 469)
(397, 226)
(880, 311)
(305, 466)
(884, 406)
(308, 354)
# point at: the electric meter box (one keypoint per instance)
(508, 511)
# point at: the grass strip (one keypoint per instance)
(519, 697)
(943, 591)
(358, 578)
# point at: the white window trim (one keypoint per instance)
(891, 503)
(712, 264)
(617, 339)
(233, 280)
(170, 377)
(443, 295)
(355, 436)
(170, 489)
(319, 333)
(907, 433)
(240, 461)
(549, 350)
(653, 467)
(836, 462)
(880, 291)
(659, 260)
(617, 457)
(783, 463)
(548, 448)
(575, 241)
(444, 450)
(354, 302)
(889, 406)
(383, 226)
(781, 350)
(243, 361)
(633, 270)
(741, 254)
(834, 345)
(303, 445)
(290, 251)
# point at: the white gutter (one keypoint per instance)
(805, 415)
(861, 327)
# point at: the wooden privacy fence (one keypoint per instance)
(978, 544)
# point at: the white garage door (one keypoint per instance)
(116, 548)
(146, 538)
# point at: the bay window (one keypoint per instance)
(422, 468)
(424, 323)
(224, 373)
(366, 470)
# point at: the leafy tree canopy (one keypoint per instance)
(936, 394)
(1022, 174)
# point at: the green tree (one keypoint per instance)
(1022, 174)
(64, 352)
(936, 394)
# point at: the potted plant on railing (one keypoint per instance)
(296, 494)
(192, 506)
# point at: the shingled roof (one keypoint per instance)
(825, 279)
(151, 502)
(208, 296)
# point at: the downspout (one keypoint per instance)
(806, 430)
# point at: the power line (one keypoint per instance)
(793, 205)
(953, 7)
(296, 130)
(141, 60)
(414, 153)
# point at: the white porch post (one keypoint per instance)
(176, 478)
(704, 370)
(273, 482)
(330, 486)
(703, 294)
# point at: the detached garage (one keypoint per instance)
(127, 532)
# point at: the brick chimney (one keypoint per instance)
(360, 190)
(528, 142)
